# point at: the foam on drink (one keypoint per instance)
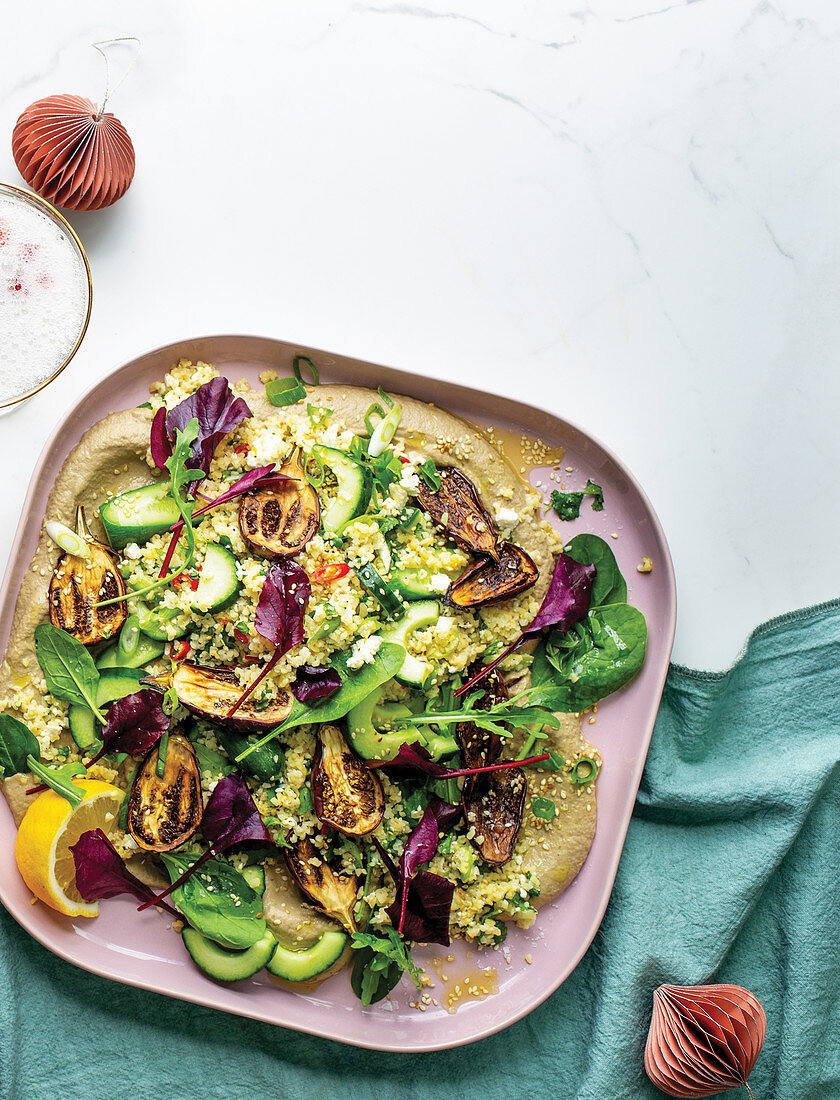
(44, 296)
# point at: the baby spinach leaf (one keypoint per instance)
(16, 743)
(609, 586)
(356, 685)
(428, 472)
(598, 657)
(68, 668)
(217, 901)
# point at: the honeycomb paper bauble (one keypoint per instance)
(72, 156)
(703, 1039)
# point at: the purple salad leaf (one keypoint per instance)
(413, 897)
(101, 873)
(159, 443)
(282, 605)
(217, 410)
(411, 760)
(135, 723)
(566, 603)
(315, 683)
(231, 818)
(425, 918)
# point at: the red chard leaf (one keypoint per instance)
(411, 760)
(422, 896)
(253, 479)
(159, 443)
(282, 605)
(428, 904)
(135, 723)
(217, 411)
(231, 818)
(101, 873)
(315, 683)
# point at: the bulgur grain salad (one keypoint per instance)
(304, 667)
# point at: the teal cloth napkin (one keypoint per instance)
(730, 873)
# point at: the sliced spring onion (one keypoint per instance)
(285, 391)
(317, 479)
(543, 808)
(312, 368)
(374, 409)
(388, 598)
(129, 639)
(385, 397)
(68, 540)
(584, 770)
(384, 431)
(407, 518)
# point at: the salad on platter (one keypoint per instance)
(304, 668)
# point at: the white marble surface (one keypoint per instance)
(630, 205)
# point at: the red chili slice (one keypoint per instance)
(329, 573)
(242, 449)
(185, 579)
(179, 651)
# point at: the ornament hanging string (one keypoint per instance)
(109, 91)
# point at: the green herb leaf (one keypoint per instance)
(543, 808)
(17, 742)
(68, 668)
(382, 959)
(305, 803)
(567, 505)
(217, 901)
(60, 779)
(180, 478)
(428, 472)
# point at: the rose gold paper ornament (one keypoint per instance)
(72, 154)
(703, 1039)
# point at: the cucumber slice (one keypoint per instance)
(354, 488)
(219, 584)
(414, 670)
(255, 877)
(114, 683)
(266, 762)
(414, 584)
(300, 966)
(138, 514)
(224, 965)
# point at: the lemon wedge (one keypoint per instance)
(48, 829)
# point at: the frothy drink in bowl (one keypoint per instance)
(44, 294)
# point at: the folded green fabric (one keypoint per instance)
(731, 873)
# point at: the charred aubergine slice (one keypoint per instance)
(486, 582)
(334, 893)
(456, 507)
(164, 811)
(79, 583)
(479, 747)
(347, 795)
(280, 518)
(211, 692)
(493, 804)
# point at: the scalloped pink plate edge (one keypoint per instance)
(141, 949)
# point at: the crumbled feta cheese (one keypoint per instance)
(506, 519)
(439, 582)
(364, 651)
(133, 551)
(409, 480)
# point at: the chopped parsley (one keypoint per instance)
(567, 505)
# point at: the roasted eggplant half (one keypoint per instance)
(347, 795)
(486, 582)
(211, 692)
(479, 747)
(165, 811)
(332, 892)
(457, 508)
(78, 584)
(278, 519)
(493, 804)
